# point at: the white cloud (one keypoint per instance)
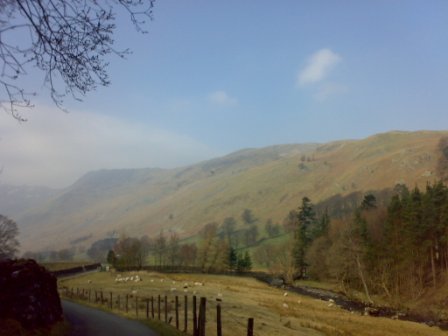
(222, 98)
(318, 67)
(54, 148)
(330, 89)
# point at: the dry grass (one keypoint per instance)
(274, 313)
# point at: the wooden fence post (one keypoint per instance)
(147, 309)
(111, 301)
(102, 297)
(158, 307)
(96, 297)
(218, 320)
(118, 302)
(202, 319)
(250, 327)
(177, 312)
(152, 306)
(185, 313)
(127, 300)
(89, 294)
(195, 318)
(166, 309)
(136, 305)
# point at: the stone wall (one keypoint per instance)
(28, 294)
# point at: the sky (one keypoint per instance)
(213, 77)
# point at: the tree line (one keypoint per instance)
(396, 248)
(211, 253)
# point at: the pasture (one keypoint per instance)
(275, 311)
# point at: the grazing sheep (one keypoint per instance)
(285, 294)
(285, 305)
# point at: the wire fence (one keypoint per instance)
(186, 313)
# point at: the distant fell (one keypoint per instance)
(270, 181)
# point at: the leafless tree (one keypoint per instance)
(67, 40)
(8, 238)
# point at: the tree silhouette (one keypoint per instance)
(8, 238)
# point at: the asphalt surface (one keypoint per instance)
(86, 321)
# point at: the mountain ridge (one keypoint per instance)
(270, 181)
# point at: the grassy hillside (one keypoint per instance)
(270, 181)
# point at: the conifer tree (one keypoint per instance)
(233, 259)
(306, 217)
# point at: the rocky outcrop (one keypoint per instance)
(28, 294)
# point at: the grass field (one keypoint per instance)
(274, 313)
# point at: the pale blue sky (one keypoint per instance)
(233, 74)
(392, 74)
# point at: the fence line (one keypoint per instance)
(199, 312)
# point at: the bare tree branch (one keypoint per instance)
(68, 43)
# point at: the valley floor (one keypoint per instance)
(274, 311)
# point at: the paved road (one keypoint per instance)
(86, 321)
